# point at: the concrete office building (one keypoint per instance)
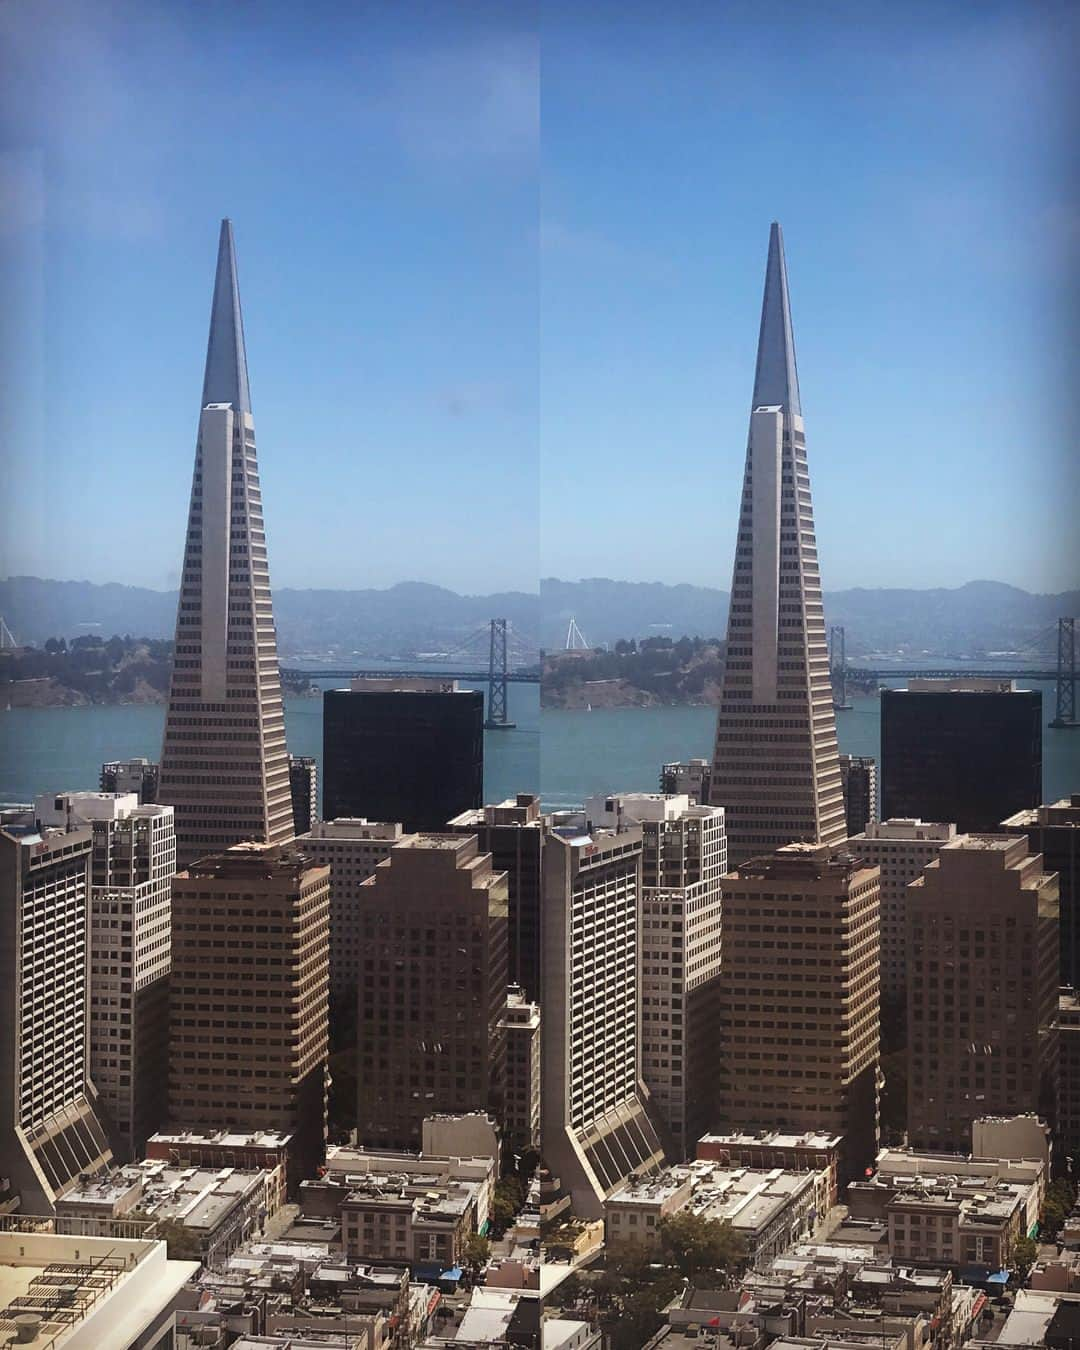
(800, 1007)
(775, 768)
(858, 778)
(1068, 1120)
(1054, 831)
(513, 831)
(224, 767)
(595, 1127)
(352, 849)
(49, 1127)
(249, 997)
(683, 858)
(900, 849)
(304, 791)
(405, 748)
(433, 989)
(968, 751)
(691, 777)
(133, 862)
(131, 775)
(982, 965)
(520, 1027)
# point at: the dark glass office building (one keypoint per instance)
(408, 750)
(966, 751)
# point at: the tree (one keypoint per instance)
(692, 1244)
(477, 1253)
(1024, 1255)
(181, 1243)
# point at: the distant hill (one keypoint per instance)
(408, 617)
(983, 616)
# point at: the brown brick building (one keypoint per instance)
(248, 1043)
(982, 962)
(800, 998)
(433, 923)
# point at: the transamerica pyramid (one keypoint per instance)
(224, 766)
(776, 767)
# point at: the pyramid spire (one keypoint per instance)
(224, 766)
(226, 378)
(776, 766)
(776, 380)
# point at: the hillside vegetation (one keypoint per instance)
(656, 672)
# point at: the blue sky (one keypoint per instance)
(501, 268)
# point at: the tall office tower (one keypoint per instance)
(408, 748)
(691, 777)
(858, 778)
(969, 751)
(133, 862)
(248, 1044)
(304, 790)
(433, 991)
(352, 849)
(131, 775)
(49, 1128)
(1067, 1137)
(513, 833)
(901, 849)
(800, 998)
(1054, 831)
(982, 960)
(683, 858)
(595, 1129)
(775, 767)
(521, 1095)
(224, 766)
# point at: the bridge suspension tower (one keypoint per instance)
(1065, 712)
(838, 667)
(497, 716)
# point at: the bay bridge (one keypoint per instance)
(512, 658)
(1062, 674)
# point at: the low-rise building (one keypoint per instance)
(220, 1208)
(403, 1207)
(345, 1163)
(944, 1209)
(810, 1151)
(255, 1150)
(769, 1209)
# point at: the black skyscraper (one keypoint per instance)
(953, 752)
(403, 750)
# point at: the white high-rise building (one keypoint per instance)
(49, 1127)
(224, 765)
(901, 848)
(776, 767)
(684, 856)
(133, 862)
(595, 1128)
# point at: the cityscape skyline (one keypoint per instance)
(378, 996)
(410, 317)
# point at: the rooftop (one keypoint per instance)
(108, 1291)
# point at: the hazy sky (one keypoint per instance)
(501, 267)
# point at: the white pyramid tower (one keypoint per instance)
(776, 767)
(224, 766)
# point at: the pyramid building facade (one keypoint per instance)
(776, 766)
(224, 765)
